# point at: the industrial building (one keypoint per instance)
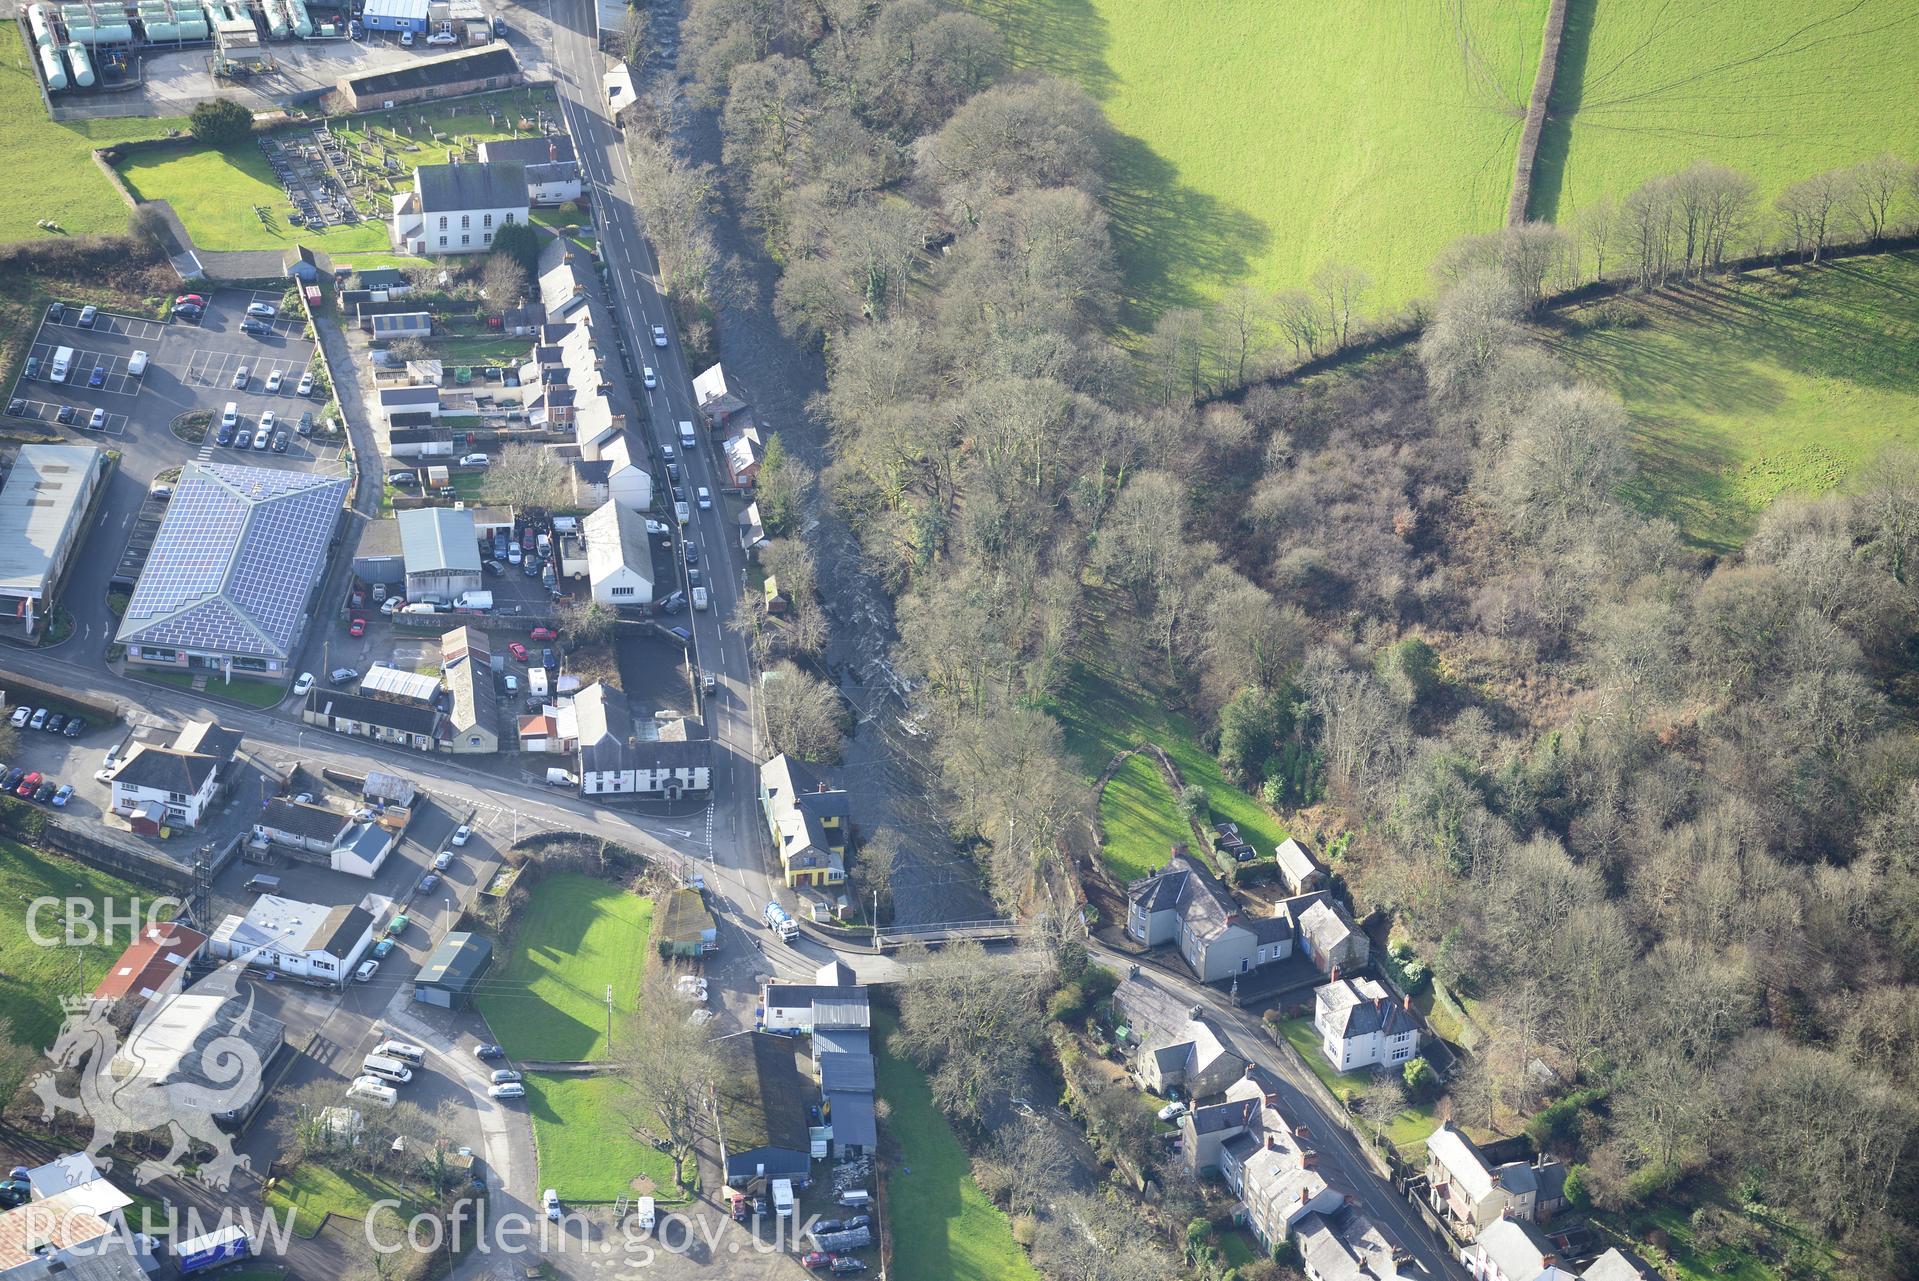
(442, 553)
(43, 508)
(451, 75)
(395, 15)
(304, 940)
(228, 584)
(453, 970)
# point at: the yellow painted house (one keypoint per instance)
(807, 814)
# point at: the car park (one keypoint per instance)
(659, 335)
(512, 1090)
(461, 835)
(306, 385)
(98, 378)
(275, 381)
(242, 376)
(97, 420)
(65, 416)
(301, 686)
(650, 378)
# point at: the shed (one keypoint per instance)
(453, 970)
(687, 928)
(395, 15)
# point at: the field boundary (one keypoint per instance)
(1522, 191)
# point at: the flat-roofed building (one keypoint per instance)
(43, 506)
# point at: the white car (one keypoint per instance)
(20, 717)
(367, 970)
(1172, 1112)
(462, 834)
(264, 310)
(657, 526)
(242, 376)
(475, 460)
(276, 380)
(263, 438)
(306, 384)
(97, 419)
(267, 420)
(444, 861)
(659, 335)
(392, 605)
(303, 685)
(443, 37)
(511, 1090)
(648, 377)
(704, 497)
(138, 365)
(550, 1201)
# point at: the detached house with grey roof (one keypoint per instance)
(1362, 1025)
(1473, 1193)
(457, 208)
(1185, 905)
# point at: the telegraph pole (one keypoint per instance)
(609, 1016)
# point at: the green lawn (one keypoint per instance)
(1104, 713)
(216, 191)
(1780, 383)
(1256, 141)
(241, 689)
(480, 349)
(1781, 91)
(33, 978)
(587, 1148)
(66, 186)
(1408, 1129)
(575, 937)
(314, 1191)
(944, 1228)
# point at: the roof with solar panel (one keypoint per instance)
(235, 560)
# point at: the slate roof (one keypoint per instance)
(646, 754)
(1515, 1246)
(1361, 1007)
(161, 769)
(312, 822)
(340, 930)
(209, 738)
(1326, 925)
(488, 185)
(474, 706)
(762, 1096)
(1294, 860)
(529, 151)
(236, 556)
(456, 963)
(847, 1072)
(1458, 1155)
(853, 1119)
(408, 718)
(1616, 1265)
(1232, 1114)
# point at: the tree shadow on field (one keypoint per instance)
(1168, 237)
(1562, 110)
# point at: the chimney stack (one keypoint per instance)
(1409, 1004)
(553, 152)
(1334, 976)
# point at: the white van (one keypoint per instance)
(405, 1051)
(556, 777)
(137, 365)
(230, 416)
(368, 1087)
(643, 1212)
(62, 362)
(687, 440)
(387, 1069)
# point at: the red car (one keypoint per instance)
(816, 1259)
(189, 300)
(28, 785)
(517, 650)
(545, 633)
(357, 627)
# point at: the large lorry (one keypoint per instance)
(779, 922)
(213, 1249)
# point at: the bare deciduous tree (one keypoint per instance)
(803, 714)
(669, 1066)
(530, 476)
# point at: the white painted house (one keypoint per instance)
(305, 940)
(1362, 1025)
(619, 561)
(456, 209)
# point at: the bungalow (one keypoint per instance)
(1471, 1193)
(1360, 1025)
(808, 817)
(406, 724)
(305, 940)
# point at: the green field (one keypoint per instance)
(575, 937)
(219, 193)
(1256, 141)
(1104, 712)
(65, 184)
(1781, 91)
(1740, 391)
(34, 978)
(943, 1225)
(587, 1147)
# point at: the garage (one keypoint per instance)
(453, 971)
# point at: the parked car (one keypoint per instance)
(242, 376)
(704, 497)
(367, 970)
(28, 784)
(397, 926)
(39, 719)
(401, 479)
(823, 1226)
(666, 452)
(258, 328)
(98, 378)
(20, 717)
(269, 420)
(61, 797)
(75, 726)
(305, 427)
(275, 381)
(475, 460)
(657, 526)
(461, 835)
(279, 442)
(188, 312)
(544, 633)
(33, 367)
(14, 775)
(66, 415)
(160, 490)
(264, 310)
(816, 1259)
(225, 435)
(692, 552)
(547, 659)
(45, 791)
(494, 567)
(189, 300)
(857, 1222)
(242, 438)
(302, 685)
(392, 605)
(357, 627)
(137, 365)
(488, 1051)
(673, 604)
(343, 675)
(88, 314)
(514, 555)
(17, 407)
(55, 723)
(550, 1201)
(673, 472)
(56, 312)
(306, 385)
(427, 883)
(517, 650)
(648, 377)
(502, 1076)
(97, 420)
(1171, 1112)
(659, 335)
(443, 37)
(845, 1263)
(384, 946)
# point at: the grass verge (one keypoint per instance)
(313, 1191)
(577, 936)
(587, 1147)
(241, 689)
(943, 1225)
